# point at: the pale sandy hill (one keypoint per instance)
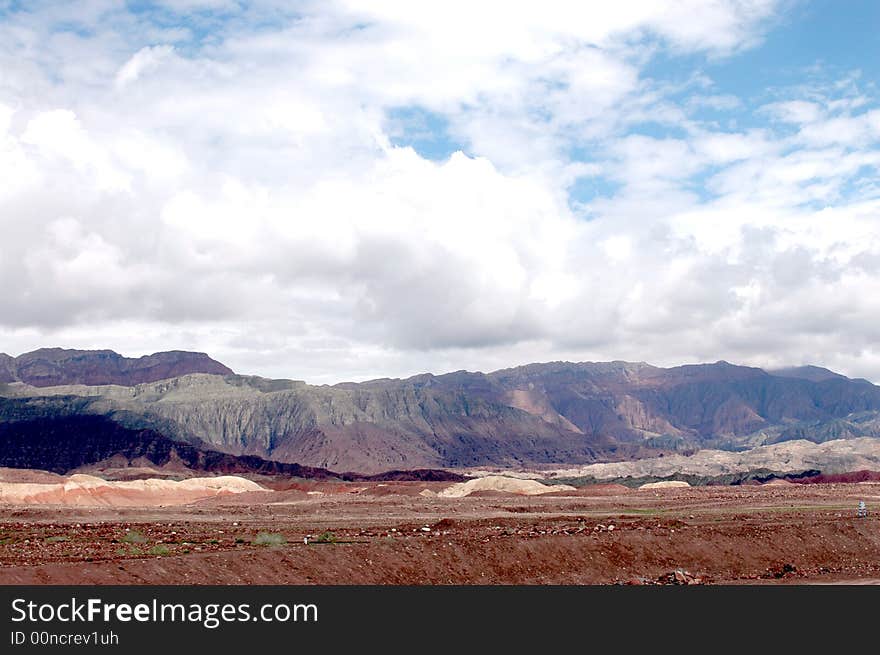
(504, 484)
(87, 490)
(665, 484)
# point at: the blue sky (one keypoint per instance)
(343, 190)
(812, 44)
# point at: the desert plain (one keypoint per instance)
(416, 533)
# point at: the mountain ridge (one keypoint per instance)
(48, 367)
(537, 414)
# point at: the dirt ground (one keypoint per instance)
(389, 534)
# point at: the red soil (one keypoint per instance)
(801, 533)
(836, 478)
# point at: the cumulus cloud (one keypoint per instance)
(225, 176)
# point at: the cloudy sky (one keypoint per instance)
(340, 190)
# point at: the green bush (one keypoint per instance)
(160, 549)
(326, 538)
(269, 539)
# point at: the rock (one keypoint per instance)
(780, 571)
(680, 577)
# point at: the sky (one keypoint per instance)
(345, 190)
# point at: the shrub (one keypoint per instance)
(326, 538)
(269, 539)
(160, 549)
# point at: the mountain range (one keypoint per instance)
(98, 404)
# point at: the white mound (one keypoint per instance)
(666, 484)
(87, 490)
(503, 484)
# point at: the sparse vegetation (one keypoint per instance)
(57, 539)
(160, 550)
(269, 539)
(326, 538)
(130, 550)
(134, 537)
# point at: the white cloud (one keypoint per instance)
(145, 60)
(846, 130)
(240, 192)
(795, 111)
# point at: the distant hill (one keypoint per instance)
(534, 415)
(50, 367)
